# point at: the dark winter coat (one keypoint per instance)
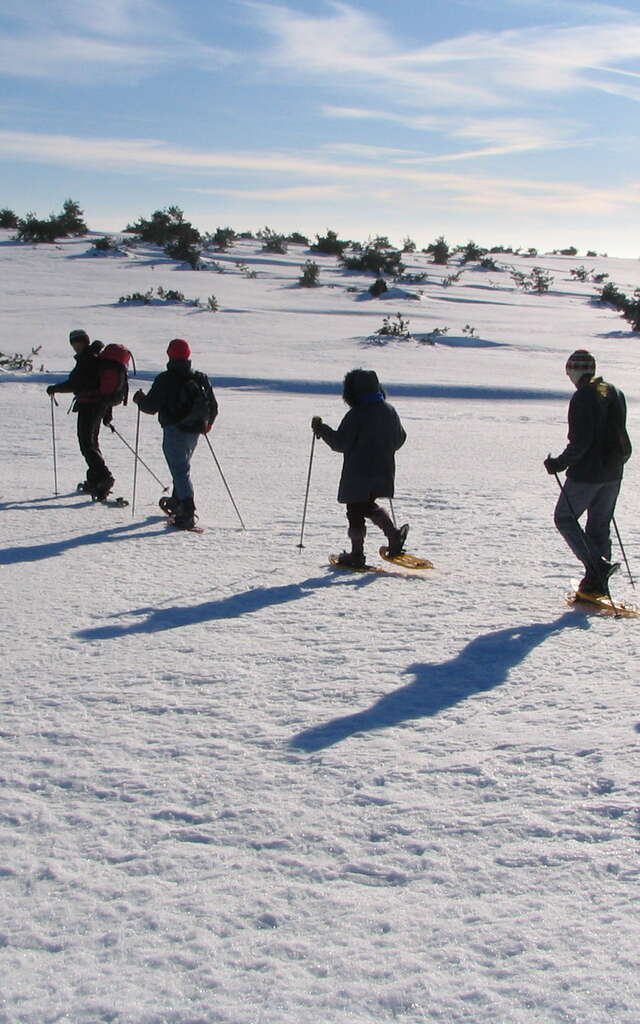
(166, 395)
(84, 379)
(598, 441)
(369, 436)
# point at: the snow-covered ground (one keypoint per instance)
(240, 788)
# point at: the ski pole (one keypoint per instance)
(393, 512)
(135, 465)
(300, 545)
(624, 553)
(215, 459)
(141, 461)
(53, 442)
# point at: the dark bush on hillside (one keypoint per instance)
(379, 287)
(329, 244)
(32, 229)
(295, 238)
(472, 253)
(222, 238)
(8, 219)
(71, 219)
(376, 257)
(310, 273)
(185, 251)
(105, 244)
(272, 241)
(164, 227)
(439, 250)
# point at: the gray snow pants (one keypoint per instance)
(599, 502)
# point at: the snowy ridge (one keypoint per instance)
(238, 788)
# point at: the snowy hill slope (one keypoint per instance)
(239, 788)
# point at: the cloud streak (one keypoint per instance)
(322, 174)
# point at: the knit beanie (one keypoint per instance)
(79, 336)
(179, 349)
(580, 364)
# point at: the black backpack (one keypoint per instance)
(617, 444)
(199, 404)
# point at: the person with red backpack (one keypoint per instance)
(84, 383)
(186, 406)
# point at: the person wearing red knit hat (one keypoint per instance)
(172, 396)
(598, 447)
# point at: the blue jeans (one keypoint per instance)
(599, 502)
(178, 447)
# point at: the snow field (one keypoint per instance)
(239, 788)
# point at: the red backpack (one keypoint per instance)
(114, 380)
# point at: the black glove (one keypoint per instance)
(139, 395)
(316, 423)
(552, 465)
(51, 390)
(108, 416)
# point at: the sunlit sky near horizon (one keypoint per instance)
(506, 121)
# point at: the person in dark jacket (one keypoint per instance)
(598, 446)
(84, 383)
(368, 437)
(169, 398)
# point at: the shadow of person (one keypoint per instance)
(177, 616)
(482, 665)
(52, 549)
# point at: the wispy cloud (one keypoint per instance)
(74, 41)
(315, 171)
(479, 69)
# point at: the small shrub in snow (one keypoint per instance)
(488, 263)
(471, 331)
(437, 332)
(395, 327)
(310, 273)
(222, 238)
(17, 361)
(471, 253)
(143, 297)
(410, 278)
(451, 279)
(538, 281)
(330, 244)
(272, 241)
(376, 257)
(295, 238)
(105, 244)
(8, 219)
(579, 274)
(408, 245)
(212, 304)
(379, 287)
(439, 250)
(246, 270)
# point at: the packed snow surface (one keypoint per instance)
(240, 788)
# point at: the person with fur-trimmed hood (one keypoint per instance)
(598, 447)
(368, 437)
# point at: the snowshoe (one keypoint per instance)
(169, 505)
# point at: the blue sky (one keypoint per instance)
(506, 121)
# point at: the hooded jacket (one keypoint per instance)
(368, 437)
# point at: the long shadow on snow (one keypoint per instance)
(36, 552)
(465, 392)
(482, 665)
(159, 619)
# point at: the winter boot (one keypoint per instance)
(396, 545)
(102, 488)
(185, 517)
(352, 559)
(170, 505)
